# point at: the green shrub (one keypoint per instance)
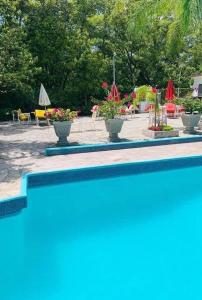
(5, 114)
(167, 128)
(191, 106)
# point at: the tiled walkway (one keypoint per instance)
(22, 147)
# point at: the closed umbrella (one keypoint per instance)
(43, 97)
(114, 93)
(170, 91)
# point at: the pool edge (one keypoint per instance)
(12, 205)
(51, 151)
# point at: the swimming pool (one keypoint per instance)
(126, 231)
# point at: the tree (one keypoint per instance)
(17, 66)
(69, 45)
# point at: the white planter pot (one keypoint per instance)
(62, 130)
(142, 106)
(114, 126)
(200, 124)
(190, 121)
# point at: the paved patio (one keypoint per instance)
(22, 148)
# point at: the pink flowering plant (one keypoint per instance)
(131, 98)
(111, 108)
(61, 115)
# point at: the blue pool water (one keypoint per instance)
(126, 237)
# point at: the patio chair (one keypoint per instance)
(131, 110)
(149, 107)
(180, 109)
(40, 116)
(21, 117)
(95, 112)
(95, 115)
(171, 110)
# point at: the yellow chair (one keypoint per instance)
(22, 117)
(50, 110)
(39, 115)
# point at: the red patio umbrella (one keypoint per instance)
(170, 91)
(114, 93)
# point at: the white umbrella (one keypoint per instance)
(43, 97)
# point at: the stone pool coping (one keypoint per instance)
(120, 145)
(14, 205)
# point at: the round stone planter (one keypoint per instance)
(62, 130)
(114, 126)
(190, 121)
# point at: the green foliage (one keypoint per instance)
(144, 92)
(192, 10)
(181, 16)
(17, 64)
(5, 114)
(167, 128)
(111, 109)
(191, 106)
(68, 46)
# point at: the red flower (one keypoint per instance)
(157, 128)
(126, 96)
(133, 95)
(104, 85)
(109, 97)
(122, 111)
(154, 90)
(47, 114)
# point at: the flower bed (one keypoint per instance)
(158, 134)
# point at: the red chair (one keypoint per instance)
(149, 107)
(180, 109)
(170, 109)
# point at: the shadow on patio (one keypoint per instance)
(7, 129)
(16, 158)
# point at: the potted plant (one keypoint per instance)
(62, 121)
(111, 111)
(161, 131)
(158, 127)
(144, 95)
(192, 113)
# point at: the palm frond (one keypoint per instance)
(192, 9)
(174, 37)
(199, 8)
(186, 11)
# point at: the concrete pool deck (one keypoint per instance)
(22, 148)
